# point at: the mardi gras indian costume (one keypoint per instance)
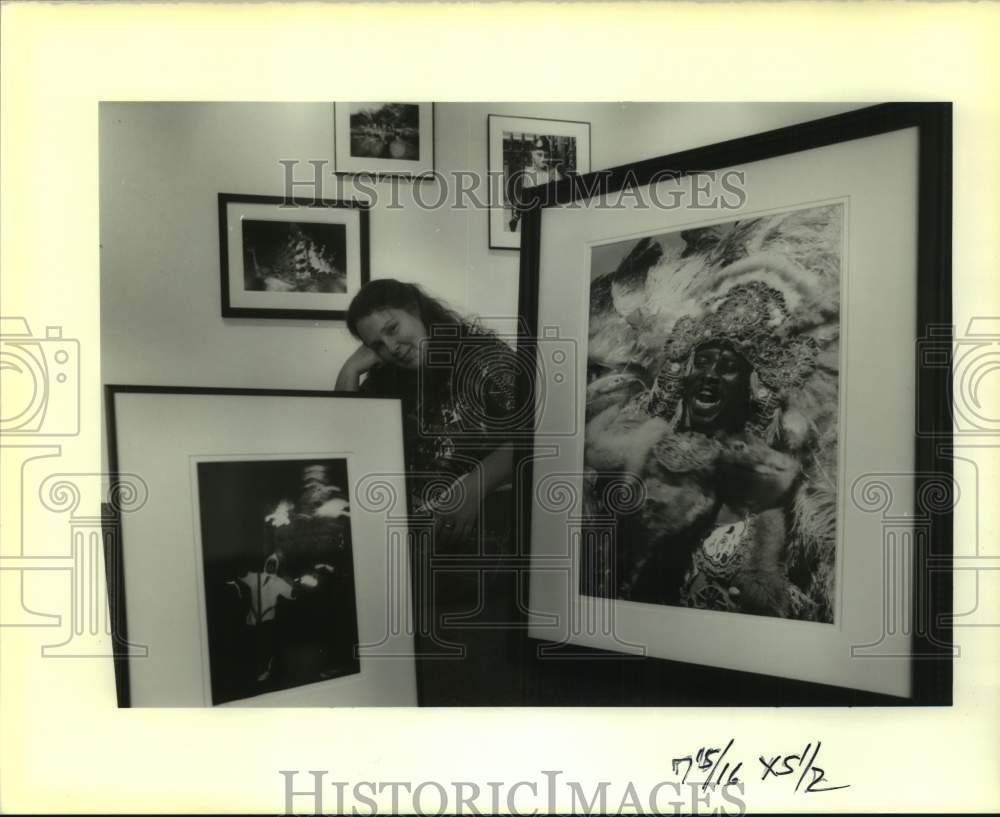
(721, 400)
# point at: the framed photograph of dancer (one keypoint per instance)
(291, 258)
(385, 139)
(251, 563)
(744, 469)
(526, 153)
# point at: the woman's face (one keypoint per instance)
(394, 335)
(717, 391)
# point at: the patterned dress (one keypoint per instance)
(457, 409)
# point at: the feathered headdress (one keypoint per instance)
(751, 318)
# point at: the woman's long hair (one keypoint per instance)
(388, 293)
(444, 326)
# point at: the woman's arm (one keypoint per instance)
(495, 469)
(361, 361)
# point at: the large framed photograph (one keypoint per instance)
(385, 138)
(291, 258)
(265, 561)
(524, 153)
(747, 476)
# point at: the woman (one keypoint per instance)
(457, 386)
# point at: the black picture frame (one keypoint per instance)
(662, 681)
(126, 496)
(350, 216)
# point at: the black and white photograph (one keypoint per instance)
(640, 392)
(532, 160)
(385, 130)
(290, 258)
(285, 256)
(711, 470)
(384, 139)
(259, 565)
(713, 364)
(279, 574)
(529, 153)
(700, 332)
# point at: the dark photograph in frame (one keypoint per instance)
(278, 573)
(384, 139)
(248, 564)
(525, 153)
(281, 256)
(290, 258)
(531, 160)
(385, 130)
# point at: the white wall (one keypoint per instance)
(162, 164)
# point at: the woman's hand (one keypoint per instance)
(456, 513)
(361, 360)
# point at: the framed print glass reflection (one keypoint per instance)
(258, 568)
(385, 138)
(291, 258)
(714, 486)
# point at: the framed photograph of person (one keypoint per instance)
(385, 138)
(258, 566)
(748, 477)
(525, 153)
(291, 258)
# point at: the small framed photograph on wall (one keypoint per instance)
(291, 258)
(384, 138)
(525, 152)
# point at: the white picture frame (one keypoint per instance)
(384, 139)
(159, 438)
(510, 143)
(867, 161)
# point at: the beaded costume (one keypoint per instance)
(774, 479)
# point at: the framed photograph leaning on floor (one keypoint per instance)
(737, 478)
(258, 569)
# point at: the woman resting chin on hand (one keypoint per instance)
(457, 410)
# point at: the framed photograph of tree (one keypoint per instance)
(385, 138)
(749, 474)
